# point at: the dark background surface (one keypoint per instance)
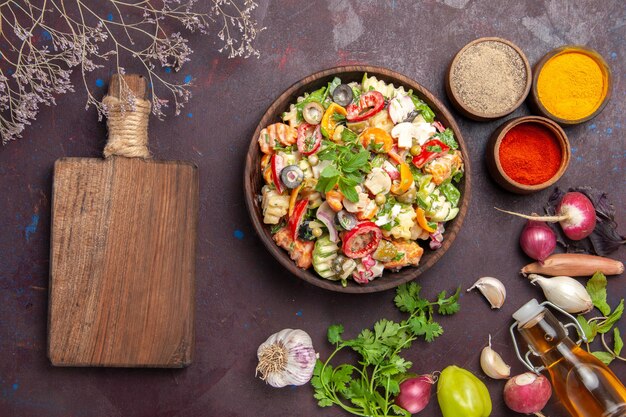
(243, 295)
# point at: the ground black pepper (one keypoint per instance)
(489, 77)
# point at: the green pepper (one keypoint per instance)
(460, 393)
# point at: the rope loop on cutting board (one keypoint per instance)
(127, 122)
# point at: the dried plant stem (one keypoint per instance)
(38, 56)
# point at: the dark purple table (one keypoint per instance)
(243, 295)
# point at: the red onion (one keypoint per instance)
(415, 393)
(537, 240)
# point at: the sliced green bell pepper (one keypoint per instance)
(460, 393)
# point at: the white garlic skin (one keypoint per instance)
(299, 359)
(493, 290)
(564, 292)
(492, 363)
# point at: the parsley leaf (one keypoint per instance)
(370, 388)
(434, 148)
(447, 137)
(348, 190)
(449, 305)
(334, 333)
(348, 136)
(596, 287)
(356, 161)
(329, 172)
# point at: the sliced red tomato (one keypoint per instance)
(296, 218)
(432, 149)
(362, 240)
(369, 104)
(309, 138)
(277, 165)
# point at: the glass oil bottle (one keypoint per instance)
(583, 384)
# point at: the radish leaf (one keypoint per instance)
(596, 287)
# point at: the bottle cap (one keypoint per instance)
(529, 310)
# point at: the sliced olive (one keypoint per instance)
(313, 113)
(411, 116)
(291, 176)
(346, 220)
(305, 232)
(342, 95)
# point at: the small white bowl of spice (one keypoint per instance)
(488, 78)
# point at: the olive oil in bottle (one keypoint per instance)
(584, 385)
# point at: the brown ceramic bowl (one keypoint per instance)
(539, 108)
(461, 106)
(493, 155)
(253, 180)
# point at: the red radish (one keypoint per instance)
(415, 393)
(575, 213)
(527, 393)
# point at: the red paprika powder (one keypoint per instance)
(530, 153)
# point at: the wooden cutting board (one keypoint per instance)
(122, 262)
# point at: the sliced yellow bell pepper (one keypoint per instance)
(293, 198)
(406, 180)
(329, 124)
(421, 220)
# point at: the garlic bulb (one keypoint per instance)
(565, 292)
(286, 358)
(493, 290)
(492, 364)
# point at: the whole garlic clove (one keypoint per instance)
(286, 358)
(493, 290)
(492, 364)
(565, 292)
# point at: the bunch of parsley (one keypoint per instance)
(596, 287)
(350, 163)
(369, 388)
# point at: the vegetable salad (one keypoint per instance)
(359, 178)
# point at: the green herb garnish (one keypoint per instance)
(596, 287)
(350, 163)
(368, 389)
(434, 148)
(447, 137)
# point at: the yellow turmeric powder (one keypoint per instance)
(572, 85)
